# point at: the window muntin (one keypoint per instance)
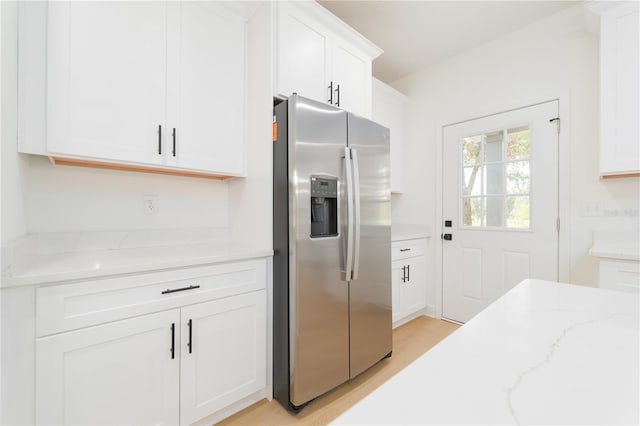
(496, 179)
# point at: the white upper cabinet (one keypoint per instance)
(106, 79)
(155, 84)
(302, 55)
(351, 77)
(206, 90)
(619, 90)
(320, 57)
(389, 109)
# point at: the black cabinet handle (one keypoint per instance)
(173, 133)
(173, 340)
(330, 93)
(408, 272)
(338, 95)
(159, 139)
(169, 290)
(405, 249)
(447, 237)
(190, 344)
(404, 274)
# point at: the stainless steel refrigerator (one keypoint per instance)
(332, 248)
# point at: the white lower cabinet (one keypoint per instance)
(117, 373)
(623, 275)
(409, 279)
(177, 366)
(223, 355)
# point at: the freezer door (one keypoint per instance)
(370, 288)
(318, 293)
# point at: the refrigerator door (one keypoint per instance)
(370, 288)
(318, 293)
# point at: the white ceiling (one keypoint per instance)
(416, 34)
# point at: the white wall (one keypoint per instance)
(552, 58)
(73, 199)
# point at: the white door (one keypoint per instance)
(499, 206)
(206, 87)
(118, 373)
(223, 353)
(106, 84)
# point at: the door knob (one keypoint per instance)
(447, 237)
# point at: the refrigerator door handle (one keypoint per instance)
(356, 213)
(350, 209)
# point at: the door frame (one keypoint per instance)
(564, 178)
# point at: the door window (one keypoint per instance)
(496, 179)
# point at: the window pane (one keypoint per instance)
(472, 181)
(493, 146)
(518, 212)
(518, 143)
(494, 179)
(518, 177)
(494, 210)
(471, 150)
(472, 211)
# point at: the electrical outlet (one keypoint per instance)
(150, 204)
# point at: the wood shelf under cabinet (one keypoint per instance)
(134, 168)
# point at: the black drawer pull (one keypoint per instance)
(190, 344)
(191, 287)
(173, 133)
(173, 340)
(407, 249)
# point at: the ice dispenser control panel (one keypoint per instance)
(324, 207)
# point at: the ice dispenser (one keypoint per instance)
(324, 207)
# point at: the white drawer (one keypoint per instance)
(407, 248)
(72, 306)
(623, 276)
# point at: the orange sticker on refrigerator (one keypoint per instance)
(275, 129)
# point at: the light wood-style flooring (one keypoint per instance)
(409, 342)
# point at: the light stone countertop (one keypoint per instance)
(401, 232)
(620, 245)
(60, 257)
(544, 353)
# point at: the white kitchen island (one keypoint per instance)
(544, 353)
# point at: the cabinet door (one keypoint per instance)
(223, 353)
(118, 373)
(106, 79)
(619, 90)
(388, 109)
(206, 87)
(301, 52)
(352, 72)
(397, 274)
(413, 295)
